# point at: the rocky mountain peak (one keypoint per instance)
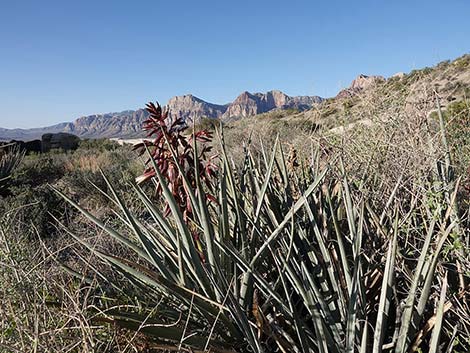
(191, 108)
(248, 104)
(362, 82)
(359, 84)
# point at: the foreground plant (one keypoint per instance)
(281, 262)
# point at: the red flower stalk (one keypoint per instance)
(167, 132)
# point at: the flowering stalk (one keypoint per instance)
(168, 138)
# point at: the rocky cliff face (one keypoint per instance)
(191, 108)
(248, 104)
(359, 84)
(126, 123)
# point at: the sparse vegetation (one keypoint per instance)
(314, 231)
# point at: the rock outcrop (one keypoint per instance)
(248, 104)
(59, 140)
(192, 109)
(126, 123)
(359, 84)
(48, 142)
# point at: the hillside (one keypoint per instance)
(373, 98)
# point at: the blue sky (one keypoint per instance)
(63, 59)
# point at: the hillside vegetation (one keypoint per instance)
(343, 228)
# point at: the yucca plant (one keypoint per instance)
(10, 158)
(282, 261)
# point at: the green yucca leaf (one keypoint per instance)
(426, 291)
(326, 258)
(348, 203)
(298, 324)
(186, 238)
(116, 235)
(262, 284)
(341, 245)
(9, 161)
(404, 337)
(323, 337)
(237, 204)
(356, 295)
(245, 294)
(208, 229)
(149, 247)
(283, 169)
(314, 293)
(163, 286)
(386, 292)
(390, 199)
(436, 332)
(297, 206)
(166, 235)
(410, 300)
(363, 347)
(158, 329)
(223, 230)
(263, 153)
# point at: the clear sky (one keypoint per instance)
(63, 59)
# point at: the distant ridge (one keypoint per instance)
(248, 104)
(188, 107)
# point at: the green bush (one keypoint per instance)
(40, 169)
(34, 210)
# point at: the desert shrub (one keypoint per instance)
(443, 65)
(463, 62)
(98, 145)
(9, 161)
(294, 126)
(457, 116)
(458, 122)
(348, 103)
(328, 111)
(41, 305)
(34, 209)
(40, 169)
(84, 168)
(457, 128)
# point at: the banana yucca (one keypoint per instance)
(280, 260)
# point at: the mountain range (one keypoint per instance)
(450, 78)
(188, 107)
